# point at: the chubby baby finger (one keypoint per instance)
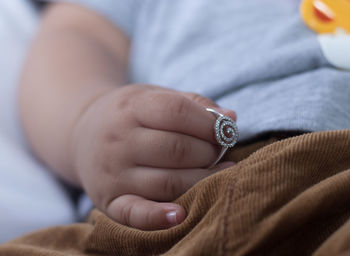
(156, 148)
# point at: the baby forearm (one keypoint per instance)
(68, 67)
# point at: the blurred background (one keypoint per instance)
(30, 198)
(18, 21)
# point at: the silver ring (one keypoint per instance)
(226, 133)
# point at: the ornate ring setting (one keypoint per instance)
(226, 133)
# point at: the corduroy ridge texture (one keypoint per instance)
(291, 197)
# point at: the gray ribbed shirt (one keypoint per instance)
(256, 57)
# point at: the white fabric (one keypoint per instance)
(336, 48)
(30, 197)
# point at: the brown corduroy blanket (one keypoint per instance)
(291, 197)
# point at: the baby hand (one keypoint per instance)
(140, 147)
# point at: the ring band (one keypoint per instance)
(226, 133)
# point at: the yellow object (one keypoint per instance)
(326, 16)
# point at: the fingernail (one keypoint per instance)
(171, 217)
(229, 110)
(234, 114)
